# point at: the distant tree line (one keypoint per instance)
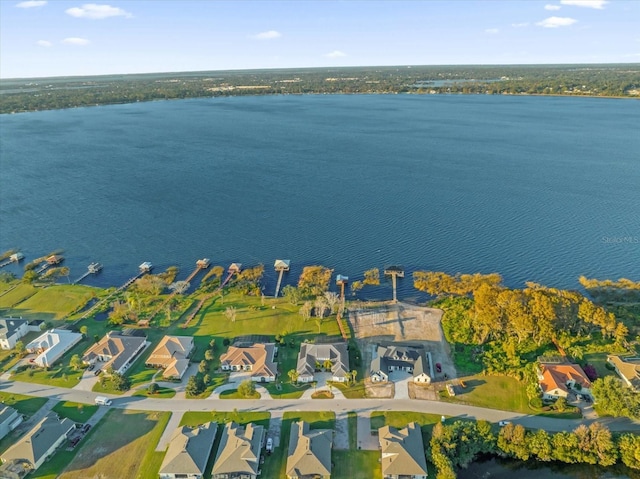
(18, 95)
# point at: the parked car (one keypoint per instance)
(91, 366)
(86, 428)
(98, 371)
(503, 423)
(438, 367)
(269, 446)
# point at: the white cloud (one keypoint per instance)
(552, 7)
(520, 25)
(97, 12)
(556, 22)
(268, 35)
(44, 43)
(31, 4)
(335, 54)
(76, 41)
(491, 31)
(597, 4)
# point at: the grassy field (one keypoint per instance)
(75, 411)
(162, 393)
(495, 392)
(14, 297)
(599, 361)
(355, 464)
(26, 405)
(57, 301)
(122, 445)
(194, 418)
(233, 394)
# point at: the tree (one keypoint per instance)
(305, 310)
(327, 364)
(19, 349)
(84, 330)
(320, 306)
(353, 375)
(212, 345)
(75, 362)
(332, 299)
(247, 389)
(203, 367)
(208, 355)
(195, 386)
(120, 382)
(153, 388)
(291, 294)
(629, 447)
(29, 277)
(372, 277)
(207, 379)
(230, 313)
(293, 375)
(314, 280)
(561, 404)
(614, 399)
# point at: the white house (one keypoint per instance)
(332, 357)
(52, 345)
(400, 358)
(11, 330)
(9, 420)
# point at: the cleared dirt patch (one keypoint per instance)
(379, 390)
(118, 446)
(402, 323)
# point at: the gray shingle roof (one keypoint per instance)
(335, 352)
(189, 449)
(239, 449)
(8, 326)
(402, 451)
(309, 451)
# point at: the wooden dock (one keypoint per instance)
(93, 268)
(281, 265)
(14, 258)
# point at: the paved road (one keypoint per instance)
(360, 406)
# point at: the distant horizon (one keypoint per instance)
(71, 38)
(341, 67)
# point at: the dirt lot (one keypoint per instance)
(379, 390)
(402, 323)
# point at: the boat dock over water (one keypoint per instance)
(93, 268)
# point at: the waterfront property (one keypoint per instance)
(11, 330)
(37, 445)
(332, 357)
(561, 380)
(400, 358)
(52, 345)
(9, 419)
(172, 355)
(258, 359)
(628, 369)
(115, 350)
(309, 452)
(239, 452)
(402, 452)
(188, 452)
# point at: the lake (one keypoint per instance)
(538, 189)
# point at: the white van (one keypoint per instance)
(103, 401)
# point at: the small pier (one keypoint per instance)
(342, 281)
(14, 258)
(395, 272)
(52, 260)
(281, 265)
(93, 268)
(234, 268)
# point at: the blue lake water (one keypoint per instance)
(536, 188)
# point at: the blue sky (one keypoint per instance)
(58, 38)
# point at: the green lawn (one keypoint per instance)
(286, 389)
(233, 394)
(122, 445)
(599, 361)
(58, 301)
(355, 391)
(355, 464)
(352, 417)
(75, 411)
(495, 392)
(26, 405)
(162, 393)
(14, 297)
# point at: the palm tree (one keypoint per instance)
(354, 374)
(293, 375)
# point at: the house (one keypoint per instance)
(115, 350)
(239, 452)
(309, 452)
(402, 452)
(172, 354)
(257, 358)
(559, 380)
(628, 369)
(11, 330)
(400, 358)
(188, 452)
(9, 419)
(40, 442)
(316, 357)
(52, 345)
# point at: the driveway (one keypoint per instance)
(341, 434)
(366, 440)
(322, 385)
(87, 381)
(401, 381)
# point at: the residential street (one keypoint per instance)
(340, 406)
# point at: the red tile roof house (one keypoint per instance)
(560, 380)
